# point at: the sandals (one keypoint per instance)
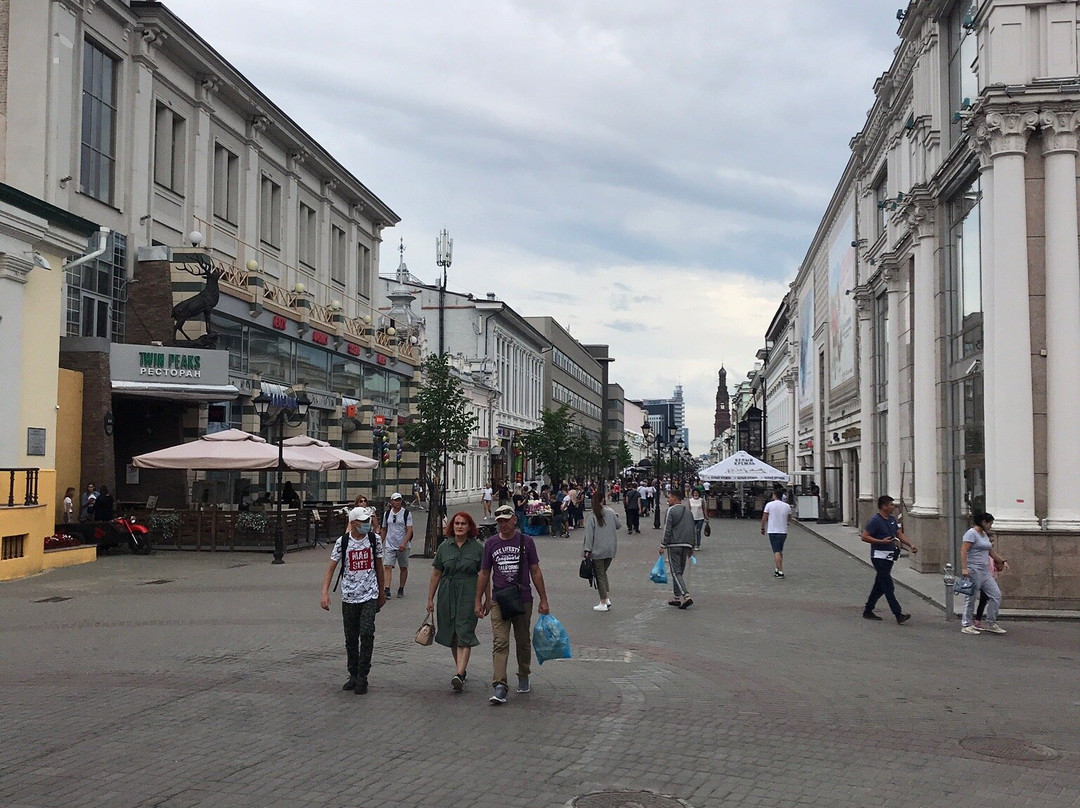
(686, 604)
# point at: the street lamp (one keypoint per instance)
(292, 411)
(650, 439)
(679, 446)
(444, 254)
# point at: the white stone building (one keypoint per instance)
(936, 316)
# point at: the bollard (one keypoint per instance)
(950, 582)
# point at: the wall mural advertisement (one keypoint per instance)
(842, 304)
(806, 346)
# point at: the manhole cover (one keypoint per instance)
(53, 599)
(159, 581)
(627, 799)
(1008, 748)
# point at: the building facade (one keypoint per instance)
(934, 326)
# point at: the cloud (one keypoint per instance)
(649, 174)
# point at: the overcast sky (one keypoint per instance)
(648, 173)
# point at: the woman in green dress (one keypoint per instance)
(456, 567)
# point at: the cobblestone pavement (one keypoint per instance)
(186, 679)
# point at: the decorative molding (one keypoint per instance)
(1004, 133)
(864, 302)
(297, 157)
(150, 38)
(256, 125)
(13, 268)
(329, 185)
(921, 219)
(1059, 131)
(207, 85)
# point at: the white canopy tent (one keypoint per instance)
(742, 468)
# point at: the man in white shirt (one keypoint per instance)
(774, 520)
(643, 491)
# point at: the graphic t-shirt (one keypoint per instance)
(358, 580)
(778, 516)
(503, 557)
(881, 528)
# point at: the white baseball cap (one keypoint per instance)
(360, 514)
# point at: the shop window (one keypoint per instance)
(270, 356)
(97, 158)
(95, 293)
(312, 366)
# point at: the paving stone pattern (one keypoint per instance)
(222, 688)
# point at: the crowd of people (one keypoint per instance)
(500, 579)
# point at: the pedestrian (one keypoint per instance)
(679, 542)
(697, 510)
(486, 497)
(885, 537)
(571, 507)
(397, 532)
(69, 506)
(978, 561)
(510, 559)
(558, 513)
(418, 494)
(87, 502)
(103, 508)
(519, 499)
(774, 521)
(601, 541)
(632, 506)
(504, 493)
(361, 596)
(453, 578)
(616, 490)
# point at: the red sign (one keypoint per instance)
(381, 359)
(354, 349)
(380, 420)
(483, 443)
(320, 338)
(279, 322)
(350, 411)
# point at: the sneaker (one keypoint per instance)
(458, 683)
(779, 573)
(993, 628)
(498, 695)
(349, 685)
(361, 687)
(869, 615)
(523, 684)
(401, 593)
(608, 602)
(902, 618)
(970, 630)
(388, 593)
(600, 607)
(977, 623)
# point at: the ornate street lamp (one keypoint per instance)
(650, 439)
(444, 254)
(288, 410)
(679, 447)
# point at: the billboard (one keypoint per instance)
(806, 345)
(841, 302)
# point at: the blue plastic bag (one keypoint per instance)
(659, 572)
(549, 639)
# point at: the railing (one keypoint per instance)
(30, 488)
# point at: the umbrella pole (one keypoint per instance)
(279, 533)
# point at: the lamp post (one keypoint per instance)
(291, 410)
(650, 439)
(679, 446)
(444, 254)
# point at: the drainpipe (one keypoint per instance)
(103, 238)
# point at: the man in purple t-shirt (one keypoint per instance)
(501, 567)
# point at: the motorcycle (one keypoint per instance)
(120, 530)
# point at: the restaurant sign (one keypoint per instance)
(154, 363)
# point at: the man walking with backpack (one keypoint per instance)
(397, 532)
(359, 552)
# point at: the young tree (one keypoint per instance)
(441, 427)
(623, 458)
(551, 443)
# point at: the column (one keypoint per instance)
(1010, 433)
(925, 375)
(199, 198)
(864, 310)
(893, 458)
(1059, 133)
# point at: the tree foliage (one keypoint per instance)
(441, 427)
(623, 458)
(552, 444)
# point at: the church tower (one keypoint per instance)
(722, 420)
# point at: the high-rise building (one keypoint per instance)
(668, 412)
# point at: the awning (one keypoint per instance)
(178, 392)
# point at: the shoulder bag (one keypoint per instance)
(509, 597)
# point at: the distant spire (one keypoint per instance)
(402, 270)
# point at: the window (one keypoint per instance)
(963, 79)
(94, 294)
(881, 388)
(309, 236)
(226, 185)
(967, 257)
(338, 260)
(881, 193)
(363, 271)
(13, 547)
(269, 212)
(98, 143)
(169, 149)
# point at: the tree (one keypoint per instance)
(623, 458)
(441, 427)
(550, 445)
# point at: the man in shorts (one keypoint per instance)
(774, 521)
(397, 532)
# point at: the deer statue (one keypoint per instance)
(203, 303)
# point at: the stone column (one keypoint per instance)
(1059, 133)
(1010, 432)
(864, 309)
(893, 458)
(925, 376)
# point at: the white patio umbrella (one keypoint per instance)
(742, 468)
(321, 450)
(233, 450)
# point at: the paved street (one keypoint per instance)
(213, 680)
